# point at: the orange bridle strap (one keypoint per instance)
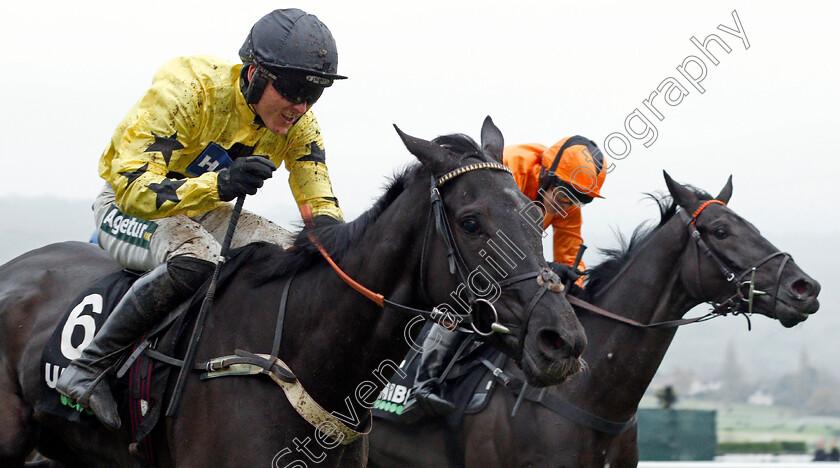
(703, 207)
(379, 299)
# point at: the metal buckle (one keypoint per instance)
(547, 276)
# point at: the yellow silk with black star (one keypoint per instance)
(193, 110)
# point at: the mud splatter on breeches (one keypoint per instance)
(142, 245)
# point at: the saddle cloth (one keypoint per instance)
(75, 331)
(140, 393)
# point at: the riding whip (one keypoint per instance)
(575, 265)
(189, 358)
(519, 399)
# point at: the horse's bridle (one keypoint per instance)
(735, 302)
(547, 279)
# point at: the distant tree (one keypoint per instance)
(734, 385)
(666, 396)
(795, 390)
(682, 379)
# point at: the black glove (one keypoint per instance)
(244, 176)
(566, 272)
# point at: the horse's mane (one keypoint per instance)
(338, 239)
(603, 273)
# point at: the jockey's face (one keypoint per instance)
(276, 112)
(561, 200)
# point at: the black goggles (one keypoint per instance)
(293, 90)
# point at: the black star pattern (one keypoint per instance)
(238, 150)
(132, 176)
(316, 154)
(166, 145)
(166, 191)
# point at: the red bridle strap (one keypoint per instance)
(703, 207)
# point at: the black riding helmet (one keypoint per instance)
(292, 39)
(289, 42)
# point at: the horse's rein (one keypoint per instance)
(546, 279)
(577, 302)
(731, 305)
(378, 299)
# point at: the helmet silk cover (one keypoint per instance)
(292, 39)
(576, 161)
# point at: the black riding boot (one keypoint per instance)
(143, 305)
(425, 398)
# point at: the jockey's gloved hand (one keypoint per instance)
(566, 272)
(244, 176)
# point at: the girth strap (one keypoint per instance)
(269, 365)
(245, 363)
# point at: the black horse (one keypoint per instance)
(660, 275)
(340, 344)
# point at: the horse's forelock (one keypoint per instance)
(462, 145)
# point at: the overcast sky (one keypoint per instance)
(543, 70)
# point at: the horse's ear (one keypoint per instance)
(683, 196)
(431, 155)
(726, 192)
(492, 141)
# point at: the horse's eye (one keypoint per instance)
(470, 226)
(721, 234)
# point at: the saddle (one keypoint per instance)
(470, 376)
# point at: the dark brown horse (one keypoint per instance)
(341, 346)
(658, 277)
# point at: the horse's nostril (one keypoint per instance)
(551, 340)
(800, 286)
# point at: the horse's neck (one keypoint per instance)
(622, 359)
(351, 339)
